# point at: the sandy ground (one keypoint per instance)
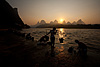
(16, 51)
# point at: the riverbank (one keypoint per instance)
(16, 51)
(80, 26)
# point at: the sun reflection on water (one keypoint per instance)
(61, 33)
(61, 29)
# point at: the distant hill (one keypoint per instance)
(80, 22)
(9, 17)
(55, 22)
(75, 25)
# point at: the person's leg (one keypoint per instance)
(53, 44)
(52, 41)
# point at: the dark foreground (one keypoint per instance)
(16, 51)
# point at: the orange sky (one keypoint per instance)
(32, 11)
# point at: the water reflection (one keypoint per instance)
(61, 33)
(61, 48)
(69, 36)
(52, 52)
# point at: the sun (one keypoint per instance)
(61, 20)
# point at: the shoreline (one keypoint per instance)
(65, 28)
(70, 26)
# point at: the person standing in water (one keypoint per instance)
(52, 37)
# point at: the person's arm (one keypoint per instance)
(48, 33)
(57, 32)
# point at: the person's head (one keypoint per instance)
(76, 41)
(54, 28)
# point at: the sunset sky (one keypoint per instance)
(32, 11)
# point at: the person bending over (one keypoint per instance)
(82, 48)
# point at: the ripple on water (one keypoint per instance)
(89, 36)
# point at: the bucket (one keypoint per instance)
(61, 40)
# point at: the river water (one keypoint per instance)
(91, 37)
